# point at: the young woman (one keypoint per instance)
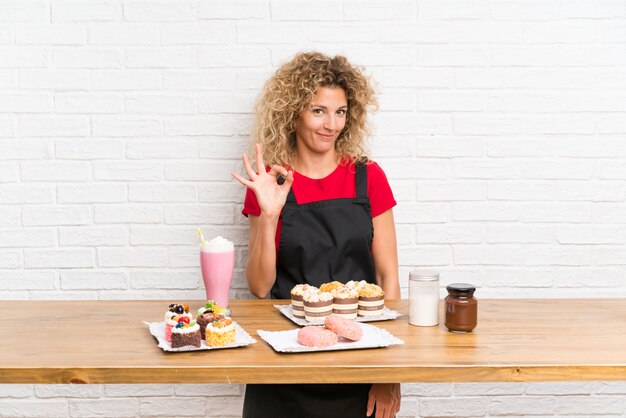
(319, 210)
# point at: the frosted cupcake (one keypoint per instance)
(356, 285)
(329, 287)
(297, 293)
(210, 312)
(345, 302)
(317, 306)
(221, 332)
(184, 334)
(371, 300)
(173, 313)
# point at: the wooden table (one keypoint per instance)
(516, 340)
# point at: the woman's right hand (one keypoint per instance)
(269, 193)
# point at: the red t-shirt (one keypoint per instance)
(338, 184)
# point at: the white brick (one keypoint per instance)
(459, 190)
(488, 389)
(11, 259)
(200, 171)
(489, 78)
(426, 389)
(129, 171)
(228, 103)
(452, 407)
(104, 407)
(166, 280)
(449, 234)
(160, 103)
(559, 124)
(27, 237)
(28, 281)
(224, 407)
(241, 9)
(597, 147)
(180, 407)
(609, 256)
(132, 257)
(6, 127)
(417, 168)
(223, 192)
(34, 408)
(556, 212)
(438, 146)
(94, 236)
(54, 34)
(409, 213)
(161, 58)
(584, 55)
(444, 101)
(56, 171)
(25, 193)
(397, 101)
(326, 10)
(485, 211)
(405, 235)
(5, 35)
(229, 57)
(559, 388)
(521, 190)
(518, 278)
(199, 214)
(425, 255)
(8, 79)
(526, 10)
(158, 149)
(487, 255)
(62, 295)
(56, 215)
(418, 77)
(53, 126)
(487, 125)
(91, 193)
(71, 391)
(199, 33)
(223, 148)
(487, 168)
(16, 391)
(128, 79)
(207, 125)
(452, 56)
(590, 234)
(423, 33)
(558, 169)
(160, 10)
(271, 33)
(89, 103)
(11, 295)
(26, 103)
(90, 280)
(150, 192)
(613, 124)
(97, 58)
(588, 278)
(557, 256)
(562, 78)
(600, 405)
(10, 216)
(607, 388)
(121, 390)
(81, 149)
(609, 78)
(9, 172)
(123, 34)
(522, 405)
(403, 190)
(503, 101)
(211, 79)
(126, 127)
(24, 57)
(76, 10)
(25, 11)
(128, 214)
(51, 79)
(487, 32)
(58, 258)
(164, 235)
(527, 56)
(520, 234)
(349, 32)
(393, 146)
(609, 31)
(610, 170)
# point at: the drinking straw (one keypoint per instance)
(200, 235)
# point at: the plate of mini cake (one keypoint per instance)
(211, 329)
(358, 301)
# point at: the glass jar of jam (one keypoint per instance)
(461, 307)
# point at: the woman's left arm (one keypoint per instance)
(385, 396)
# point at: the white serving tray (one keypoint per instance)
(287, 341)
(386, 315)
(157, 329)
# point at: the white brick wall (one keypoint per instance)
(502, 129)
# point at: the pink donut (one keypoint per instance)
(316, 337)
(343, 327)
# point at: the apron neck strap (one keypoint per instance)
(361, 184)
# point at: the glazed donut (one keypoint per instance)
(316, 337)
(343, 327)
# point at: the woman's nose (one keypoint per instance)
(330, 122)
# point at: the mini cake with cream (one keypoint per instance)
(186, 333)
(329, 287)
(345, 302)
(220, 332)
(371, 300)
(297, 301)
(207, 314)
(173, 313)
(317, 305)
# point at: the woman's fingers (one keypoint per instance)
(278, 170)
(260, 164)
(248, 167)
(241, 180)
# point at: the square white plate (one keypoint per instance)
(157, 329)
(287, 341)
(386, 315)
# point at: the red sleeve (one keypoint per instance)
(378, 190)
(250, 204)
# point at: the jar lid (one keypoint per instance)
(424, 275)
(461, 287)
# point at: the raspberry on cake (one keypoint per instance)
(173, 313)
(220, 332)
(186, 333)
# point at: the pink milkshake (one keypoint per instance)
(217, 261)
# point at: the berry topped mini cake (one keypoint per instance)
(371, 300)
(174, 312)
(220, 332)
(329, 287)
(317, 305)
(207, 314)
(186, 333)
(297, 293)
(345, 302)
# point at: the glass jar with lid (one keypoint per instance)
(461, 307)
(423, 298)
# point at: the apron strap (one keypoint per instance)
(361, 181)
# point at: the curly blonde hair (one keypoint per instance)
(287, 93)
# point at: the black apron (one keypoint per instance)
(320, 242)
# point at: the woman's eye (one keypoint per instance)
(341, 112)
(317, 111)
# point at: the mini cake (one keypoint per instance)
(220, 332)
(186, 333)
(207, 314)
(371, 300)
(297, 306)
(317, 306)
(356, 285)
(329, 287)
(345, 302)
(173, 313)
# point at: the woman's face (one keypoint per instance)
(322, 120)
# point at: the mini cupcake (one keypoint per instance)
(345, 302)
(207, 314)
(171, 316)
(329, 287)
(356, 285)
(317, 306)
(220, 332)
(371, 300)
(297, 305)
(186, 333)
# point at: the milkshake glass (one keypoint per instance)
(217, 262)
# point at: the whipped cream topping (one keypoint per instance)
(217, 245)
